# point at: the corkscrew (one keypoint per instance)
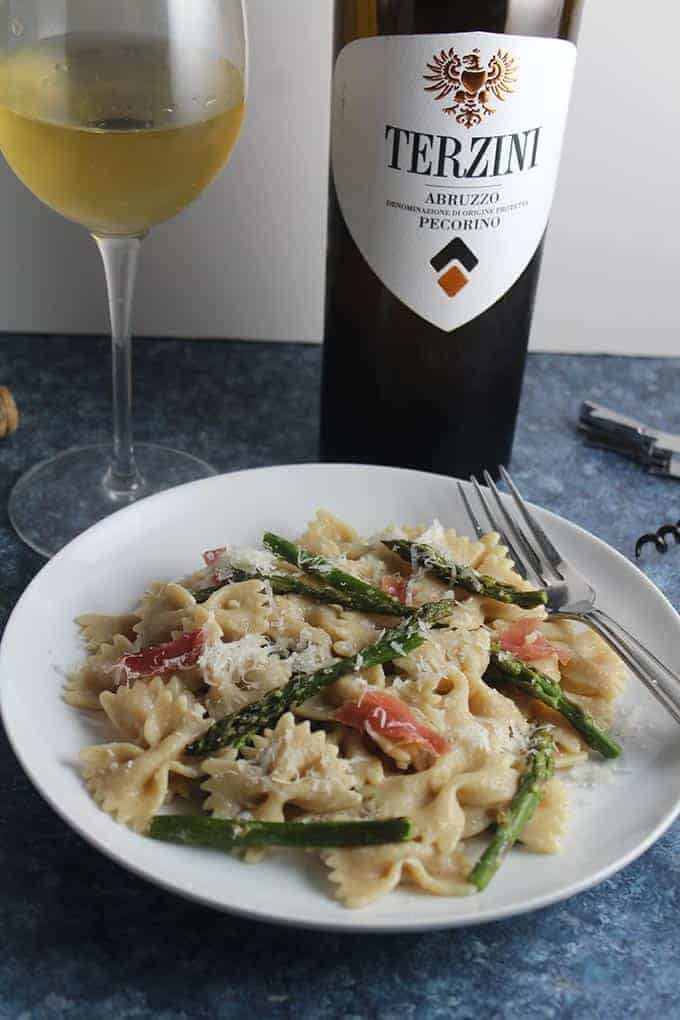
(658, 451)
(658, 539)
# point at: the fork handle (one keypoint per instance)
(661, 681)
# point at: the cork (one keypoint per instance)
(9, 413)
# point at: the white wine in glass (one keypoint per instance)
(117, 121)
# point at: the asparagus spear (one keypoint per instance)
(373, 599)
(506, 668)
(464, 577)
(223, 834)
(238, 728)
(538, 770)
(287, 584)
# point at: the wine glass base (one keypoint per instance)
(63, 496)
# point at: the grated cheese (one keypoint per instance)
(304, 655)
(252, 561)
(228, 662)
(435, 537)
(309, 659)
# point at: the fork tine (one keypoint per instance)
(479, 530)
(530, 556)
(535, 529)
(496, 526)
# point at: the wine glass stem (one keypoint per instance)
(120, 256)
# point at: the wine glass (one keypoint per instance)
(117, 114)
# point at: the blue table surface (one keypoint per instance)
(82, 938)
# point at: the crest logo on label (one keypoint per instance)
(454, 259)
(471, 84)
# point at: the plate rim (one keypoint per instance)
(352, 922)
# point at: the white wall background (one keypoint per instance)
(247, 260)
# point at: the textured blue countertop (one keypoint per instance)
(82, 938)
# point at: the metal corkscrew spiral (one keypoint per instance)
(658, 539)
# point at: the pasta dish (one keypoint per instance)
(381, 701)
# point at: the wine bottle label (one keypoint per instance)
(445, 151)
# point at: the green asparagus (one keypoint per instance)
(506, 668)
(464, 577)
(225, 834)
(237, 729)
(373, 600)
(288, 584)
(538, 770)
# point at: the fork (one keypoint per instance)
(570, 596)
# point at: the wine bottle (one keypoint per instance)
(447, 128)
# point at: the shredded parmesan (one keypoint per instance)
(435, 537)
(309, 659)
(252, 561)
(306, 654)
(224, 663)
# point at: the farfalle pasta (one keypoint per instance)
(131, 779)
(290, 765)
(425, 734)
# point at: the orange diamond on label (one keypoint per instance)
(453, 281)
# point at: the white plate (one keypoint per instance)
(162, 537)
